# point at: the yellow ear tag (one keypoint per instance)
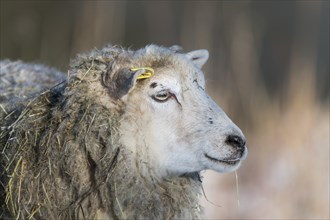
(149, 72)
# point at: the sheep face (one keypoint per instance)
(182, 128)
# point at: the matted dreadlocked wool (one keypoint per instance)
(61, 157)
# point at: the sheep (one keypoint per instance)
(123, 136)
(19, 80)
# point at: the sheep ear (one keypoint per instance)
(120, 82)
(198, 57)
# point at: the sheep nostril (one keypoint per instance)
(236, 141)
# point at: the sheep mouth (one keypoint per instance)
(228, 161)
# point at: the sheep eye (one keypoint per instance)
(162, 96)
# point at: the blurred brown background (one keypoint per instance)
(268, 69)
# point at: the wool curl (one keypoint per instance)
(61, 156)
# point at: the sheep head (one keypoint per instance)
(168, 120)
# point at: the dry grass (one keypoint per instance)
(286, 174)
(14, 147)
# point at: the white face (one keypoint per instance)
(183, 128)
